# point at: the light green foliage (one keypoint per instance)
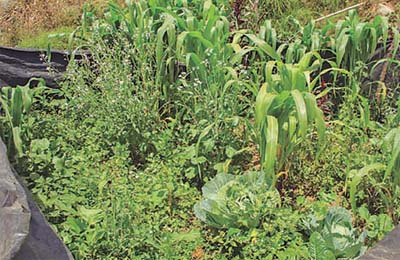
(285, 110)
(335, 237)
(351, 40)
(357, 41)
(377, 225)
(236, 201)
(16, 104)
(276, 238)
(392, 144)
(56, 39)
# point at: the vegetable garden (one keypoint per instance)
(196, 130)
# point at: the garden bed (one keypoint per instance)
(192, 133)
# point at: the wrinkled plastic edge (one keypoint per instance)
(15, 214)
(39, 241)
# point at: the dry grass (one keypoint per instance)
(27, 18)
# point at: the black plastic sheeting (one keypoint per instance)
(14, 210)
(386, 249)
(18, 66)
(24, 232)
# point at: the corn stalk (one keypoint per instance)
(285, 110)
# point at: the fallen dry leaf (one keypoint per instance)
(198, 253)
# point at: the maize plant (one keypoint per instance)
(199, 54)
(285, 109)
(355, 177)
(357, 41)
(198, 43)
(392, 144)
(15, 105)
(192, 41)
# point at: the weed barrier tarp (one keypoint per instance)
(14, 210)
(386, 249)
(24, 232)
(18, 66)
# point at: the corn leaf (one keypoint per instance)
(301, 109)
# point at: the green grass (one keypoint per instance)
(57, 39)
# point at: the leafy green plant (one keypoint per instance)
(236, 201)
(277, 238)
(377, 225)
(335, 237)
(16, 104)
(274, 7)
(355, 177)
(82, 228)
(40, 155)
(357, 41)
(384, 182)
(193, 53)
(285, 109)
(392, 144)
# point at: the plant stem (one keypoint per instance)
(339, 12)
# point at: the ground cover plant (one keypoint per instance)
(192, 135)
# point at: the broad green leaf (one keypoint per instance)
(265, 47)
(271, 140)
(264, 102)
(75, 225)
(318, 248)
(374, 41)
(356, 178)
(211, 188)
(316, 114)
(358, 33)
(341, 45)
(91, 216)
(17, 106)
(16, 135)
(396, 42)
(198, 36)
(301, 109)
(27, 98)
(391, 143)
